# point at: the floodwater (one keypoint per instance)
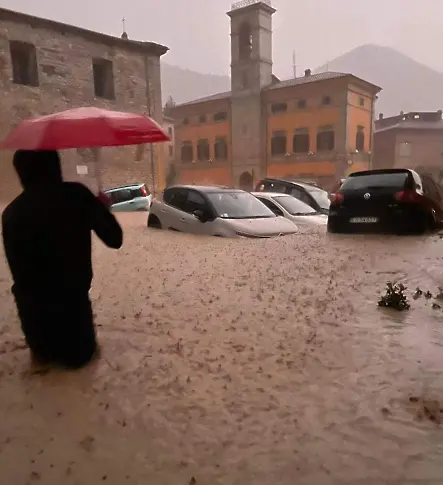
(237, 362)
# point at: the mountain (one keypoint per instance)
(407, 84)
(185, 85)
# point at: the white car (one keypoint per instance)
(217, 211)
(128, 198)
(291, 208)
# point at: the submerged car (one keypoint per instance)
(308, 193)
(291, 208)
(128, 198)
(392, 200)
(217, 211)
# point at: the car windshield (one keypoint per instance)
(294, 206)
(239, 205)
(321, 197)
(395, 180)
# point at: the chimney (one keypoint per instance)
(380, 116)
(307, 72)
(124, 36)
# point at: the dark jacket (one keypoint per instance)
(47, 228)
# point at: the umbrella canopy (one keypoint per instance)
(84, 128)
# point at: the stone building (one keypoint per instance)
(410, 140)
(47, 66)
(318, 127)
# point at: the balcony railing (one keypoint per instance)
(246, 3)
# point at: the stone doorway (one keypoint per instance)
(246, 181)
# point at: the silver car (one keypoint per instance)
(291, 208)
(216, 211)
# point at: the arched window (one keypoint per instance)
(360, 139)
(245, 42)
(246, 181)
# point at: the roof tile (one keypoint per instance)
(322, 76)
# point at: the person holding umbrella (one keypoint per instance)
(47, 240)
(47, 229)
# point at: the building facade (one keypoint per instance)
(169, 150)
(410, 140)
(317, 127)
(46, 66)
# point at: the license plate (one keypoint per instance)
(363, 220)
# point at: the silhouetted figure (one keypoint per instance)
(47, 239)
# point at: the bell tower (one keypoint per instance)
(251, 44)
(251, 71)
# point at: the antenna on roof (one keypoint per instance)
(294, 65)
(124, 34)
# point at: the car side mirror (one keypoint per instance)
(200, 215)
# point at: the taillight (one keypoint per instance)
(143, 191)
(105, 199)
(337, 198)
(410, 196)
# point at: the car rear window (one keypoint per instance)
(268, 186)
(395, 180)
(321, 197)
(293, 205)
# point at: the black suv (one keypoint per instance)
(393, 200)
(309, 193)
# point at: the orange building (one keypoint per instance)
(317, 127)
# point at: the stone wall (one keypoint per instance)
(248, 137)
(64, 57)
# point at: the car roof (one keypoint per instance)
(128, 186)
(381, 171)
(270, 194)
(303, 185)
(206, 188)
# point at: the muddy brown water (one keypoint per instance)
(234, 363)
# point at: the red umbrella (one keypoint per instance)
(84, 128)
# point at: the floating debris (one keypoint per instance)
(417, 294)
(428, 295)
(429, 409)
(395, 297)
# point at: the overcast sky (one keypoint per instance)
(197, 31)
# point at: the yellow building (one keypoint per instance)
(317, 127)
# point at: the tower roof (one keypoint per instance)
(250, 5)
